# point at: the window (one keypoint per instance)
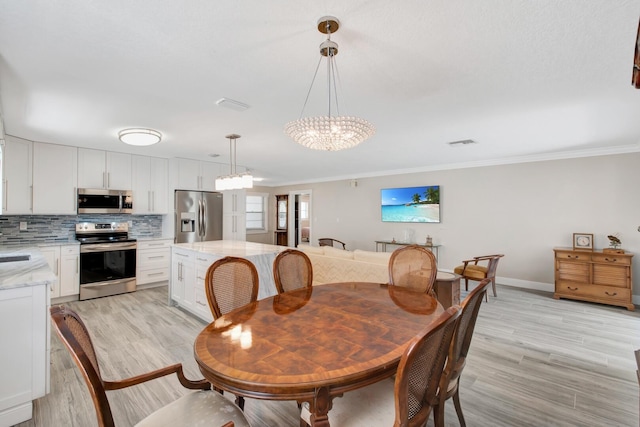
(257, 212)
(304, 210)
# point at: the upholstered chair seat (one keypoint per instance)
(474, 272)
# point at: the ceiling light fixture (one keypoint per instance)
(141, 137)
(329, 133)
(233, 181)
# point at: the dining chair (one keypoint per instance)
(292, 270)
(474, 269)
(202, 408)
(413, 267)
(457, 358)
(327, 241)
(413, 394)
(230, 283)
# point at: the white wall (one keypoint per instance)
(522, 210)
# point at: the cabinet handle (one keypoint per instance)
(155, 274)
(108, 179)
(4, 199)
(104, 180)
(57, 266)
(149, 200)
(573, 256)
(611, 260)
(180, 271)
(157, 256)
(155, 244)
(153, 201)
(611, 295)
(199, 303)
(572, 289)
(77, 264)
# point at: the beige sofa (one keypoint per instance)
(332, 265)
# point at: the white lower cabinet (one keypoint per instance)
(153, 261)
(24, 334)
(182, 276)
(188, 272)
(64, 261)
(201, 304)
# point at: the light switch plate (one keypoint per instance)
(23, 225)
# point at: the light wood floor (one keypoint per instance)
(534, 361)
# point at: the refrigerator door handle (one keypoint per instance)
(199, 217)
(204, 216)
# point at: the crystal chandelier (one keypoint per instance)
(233, 181)
(329, 133)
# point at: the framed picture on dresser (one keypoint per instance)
(582, 241)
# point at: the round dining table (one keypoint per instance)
(313, 344)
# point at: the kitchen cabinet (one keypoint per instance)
(55, 177)
(104, 169)
(596, 276)
(64, 261)
(25, 351)
(201, 303)
(234, 226)
(17, 179)
(196, 175)
(182, 278)
(150, 184)
(153, 261)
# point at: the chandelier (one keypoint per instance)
(233, 181)
(329, 133)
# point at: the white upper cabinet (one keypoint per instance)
(104, 169)
(55, 177)
(17, 179)
(150, 185)
(197, 175)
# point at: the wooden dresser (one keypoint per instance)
(594, 276)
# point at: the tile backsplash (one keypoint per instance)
(62, 228)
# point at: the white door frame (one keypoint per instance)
(291, 220)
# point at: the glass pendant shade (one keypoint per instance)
(233, 181)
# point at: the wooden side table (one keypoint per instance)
(447, 288)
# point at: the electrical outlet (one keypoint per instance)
(23, 225)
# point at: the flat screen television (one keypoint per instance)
(411, 204)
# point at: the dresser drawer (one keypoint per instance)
(574, 255)
(593, 292)
(613, 259)
(575, 271)
(611, 275)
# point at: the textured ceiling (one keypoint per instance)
(525, 79)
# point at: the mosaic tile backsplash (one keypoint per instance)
(62, 228)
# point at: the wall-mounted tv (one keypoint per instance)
(411, 204)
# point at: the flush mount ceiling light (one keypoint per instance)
(329, 133)
(233, 181)
(138, 136)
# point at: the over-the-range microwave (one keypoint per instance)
(99, 201)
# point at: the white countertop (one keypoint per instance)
(231, 248)
(17, 274)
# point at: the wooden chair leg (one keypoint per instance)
(438, 415)
(240, 402)
(456, 404)
(493, 283)
(466, 284)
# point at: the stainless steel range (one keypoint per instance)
(107, 259)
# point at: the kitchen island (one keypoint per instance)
(25, 286)
(190, 261)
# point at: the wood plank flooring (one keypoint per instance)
(534, 361)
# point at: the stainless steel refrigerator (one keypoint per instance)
(198, 216)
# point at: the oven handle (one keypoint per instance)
(107, 247)
(110, 282)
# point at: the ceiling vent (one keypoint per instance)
(462, 142)
(231, 104)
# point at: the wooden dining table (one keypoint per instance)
(313, 344)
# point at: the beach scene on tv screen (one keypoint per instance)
(411, 204)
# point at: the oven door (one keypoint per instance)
(107, 269)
